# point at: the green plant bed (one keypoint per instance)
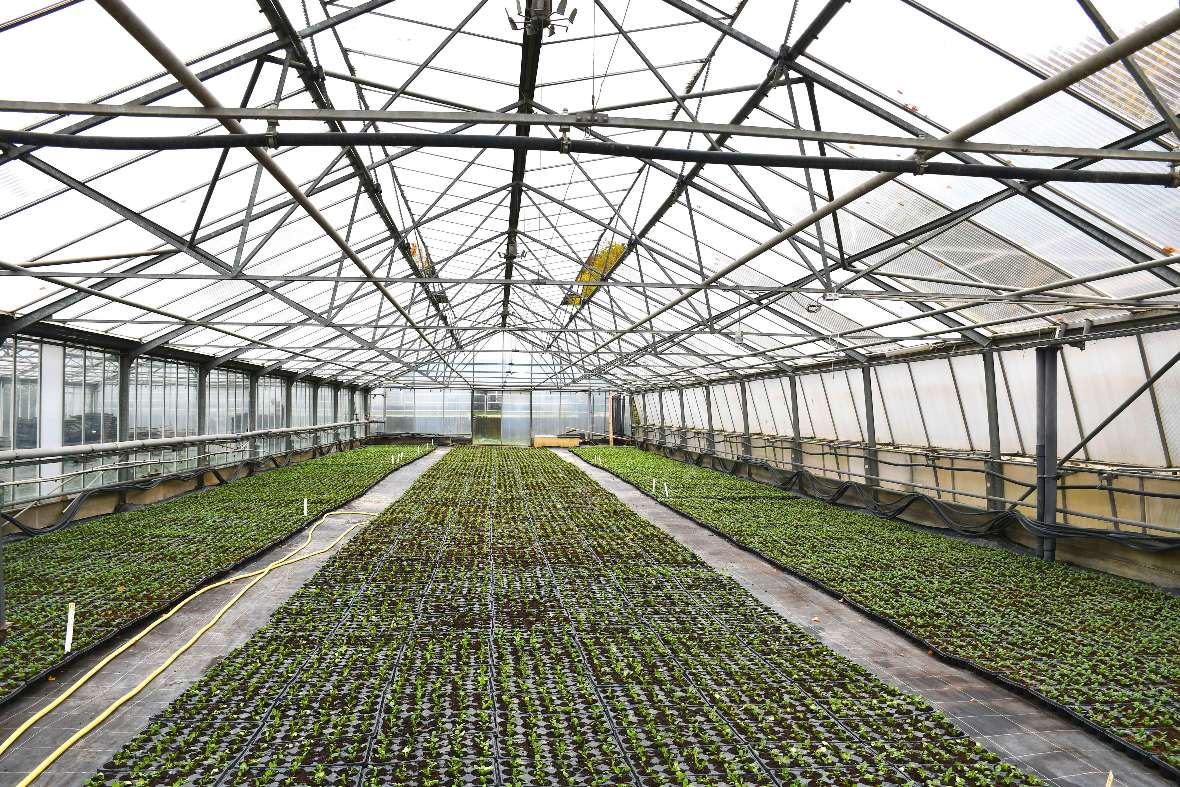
(120, 568)
(1100, 647)
(509, 622)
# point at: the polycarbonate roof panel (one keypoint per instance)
(204, 249)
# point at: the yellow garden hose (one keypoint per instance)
(258, 575)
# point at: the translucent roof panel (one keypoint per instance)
(641, 194)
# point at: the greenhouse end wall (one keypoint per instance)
(523, 414)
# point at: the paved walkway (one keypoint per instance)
(1023, 733)
(251, 613)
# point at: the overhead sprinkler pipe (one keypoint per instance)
(894, 167)
(127, 18)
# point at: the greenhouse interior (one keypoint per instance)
(743, 393)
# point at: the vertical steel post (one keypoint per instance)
(123, 431)
(747, 443)
(711, 437)
(610, 419)
(252, 412)
(350, 392)
(288, 414)
(661, 433)
(683, 421)
(335, 411)
(994, 484)
(796, 440)
(367, 410)
(202, 412)
(1047, 446)
(315, 412)
(872, 468)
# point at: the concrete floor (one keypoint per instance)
(1033, 739)
(252, 612)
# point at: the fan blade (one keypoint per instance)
(561, 8)
(511, 21)
(573, 15)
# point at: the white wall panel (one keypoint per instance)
(814, 401)
(973, 392)
(881, 415)
(1104, 375)
(939, 403)
(694, 408)
(897, 395)
(1020, 367)
(847, 410)
(727, 408)
(672, 409)
(1160, 347)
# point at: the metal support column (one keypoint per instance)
(202, 413)
(1047, 446)
(610, 419)
(662, 432)
(994, 484)
(683, 420)
(747, 443)
(351, 394)
(711, 436)
(796, 441)
(872, 468)
(315, 412)
(367, 406)
(123, 431)
(335, 411)
(288, 412)
(252, 413)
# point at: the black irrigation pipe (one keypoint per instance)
(1000, 519)
(130, 626)
(562, 145)
(1097, 730)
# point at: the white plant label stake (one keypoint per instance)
(665, 489)
(70, 627)
(305, 506)
(653, 486)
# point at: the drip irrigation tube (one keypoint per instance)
(279, 139)
(1101, 732)
(133, 624)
